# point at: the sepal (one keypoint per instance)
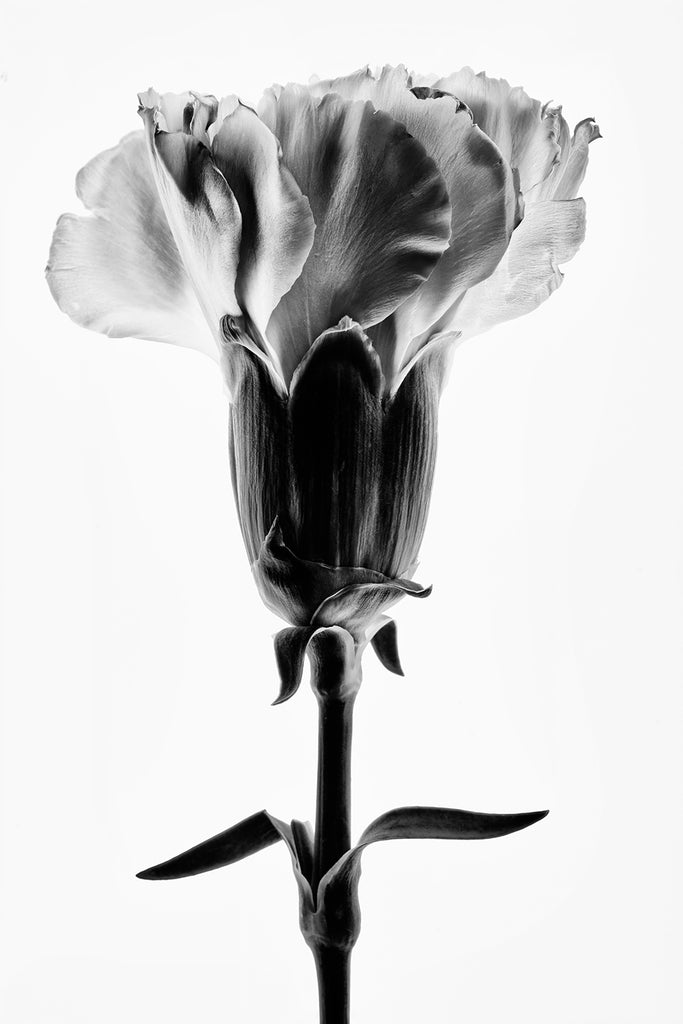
(385, 645)
(290, 651)
(313, 594)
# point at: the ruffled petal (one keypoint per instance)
(380, 206)
(529, 273)
(565, 180)
(204, 115)
(203, 214)
(277, 224)
(189, 112)
(479, 181)
(119, 271)
(174, 110)
(526, 133)
(420, 78)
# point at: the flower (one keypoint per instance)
(330, 250)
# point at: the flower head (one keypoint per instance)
(329, 249)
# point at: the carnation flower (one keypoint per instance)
(329, 249)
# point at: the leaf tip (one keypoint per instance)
(147, 875)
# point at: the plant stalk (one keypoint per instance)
(335, 678)
(333, 800)
(333, 967)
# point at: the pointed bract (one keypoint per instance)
(290, 653)
(385, 646)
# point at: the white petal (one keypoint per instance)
(175, 111)
(381, 210)
(204, 217)
(565, 180)
(528, 274)
(479, 181)
(526, 133)
(119, 271)
(205, 111)
(429, 79)
(277, 224)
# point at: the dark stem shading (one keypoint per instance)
(335, 678)
(333, 806)
(333, 967)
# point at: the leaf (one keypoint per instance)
(249, 836)
(418, 823)
(445, 823)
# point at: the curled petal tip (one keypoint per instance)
(593, 128)
(149, 98)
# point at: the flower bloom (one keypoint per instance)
(329, 249)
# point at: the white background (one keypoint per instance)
(545, 670)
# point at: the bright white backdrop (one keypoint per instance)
(545, 670)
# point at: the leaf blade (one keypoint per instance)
(249, 836)
(445, 823)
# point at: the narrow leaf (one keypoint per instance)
(249, 836)
(420, 823)
(445, 823)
